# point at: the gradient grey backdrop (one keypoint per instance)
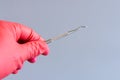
(89, 54)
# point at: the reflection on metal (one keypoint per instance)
(64, 34)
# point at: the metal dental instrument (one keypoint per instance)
(64, 34)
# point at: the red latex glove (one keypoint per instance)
(18, 43)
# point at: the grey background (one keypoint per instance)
(89, 54)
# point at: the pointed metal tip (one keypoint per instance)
(82, 27)
(79, 28)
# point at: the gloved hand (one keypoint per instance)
(18, 43)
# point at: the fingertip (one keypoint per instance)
(15, 72)
(46, 51)
(32, 60)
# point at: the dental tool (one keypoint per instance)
(64, 34)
